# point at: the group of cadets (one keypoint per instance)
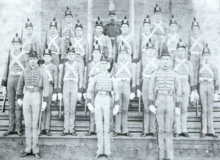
(109, 77)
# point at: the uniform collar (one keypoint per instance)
(33, 68)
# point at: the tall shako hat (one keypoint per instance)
(122, 47)
(68, 12)
(150, 45)
(70, 48)
(96, 46)
(195, 23)
(206, 50)
(112, 9)
(17, 39)
(157, 9)
(32, 52)
(164, 52)
(125, 21)
(78, 24)
(28, 24)
(173, 21)
(147, 20)
(181, 44)
(104, 58)
(47, 51)
(53, 23)
(98, 22)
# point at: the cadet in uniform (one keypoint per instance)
(158, 28)
(71, 76)
(80, 45)
(103, 83)
(195, 46)
(172, 38)
(16, 61)
(94, 67)
(165, 83)
(29, 93)
(124, 73)
(208, 87)
(103, 41)
(30, 39)
(147, 64)
(52, 75)
(55, 44)
(184, 69)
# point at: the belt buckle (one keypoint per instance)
(30, 88)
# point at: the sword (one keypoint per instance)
(40, 114)
(197, 108)
(60, 109)
(85, 107)
(3, 106)
(139, 106)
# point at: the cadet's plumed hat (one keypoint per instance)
(68, 12)
(195, 23)
(122, 47)
(112, 9)
(104, 58)
(78, 24)
(96, 46)
(28, 24)
(157, 9)
(47, 51)
(164, 52)
(70, 48)
(150, 44)
(206, 50)
(53, 23)
(147, 19)
(32, 52)
(17, 39)
(125, 21)
(98, 22)
(181, 44)
(173, 21)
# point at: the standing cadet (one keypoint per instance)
(103, 83)
(124, 73)
(184, 69)
(126, 37)
(165, 83)
(158, 28)
(147, 64)
(30, 39)
(52, 75)
(71, 77)
(55, 44)
(67, 30)
(146, 35)
(33, 82)
(172, 38)
(93, 68)
(104, 41)
(208, 87)
(195, 46)
(14, 65)
(80, 45)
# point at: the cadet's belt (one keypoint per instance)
(206, 81)
(103, 92)
(147, 76)
(15, 73)
(112, 38)
(183, 78)
(71, 80)
(32, 88)
(123, 79)
(165, 92)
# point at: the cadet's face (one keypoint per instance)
(71, 56)
(123, 55)
(206, 57)
(79, 31)
(112, 18)
(150, 52)
(33, 61)
(124, 29)
(157, 16)
(99, 29)
(181, 52)
(47, 58)
(173, 27)
(53, 30)
(105, 65)
(68, 19)
(29, 30)
(147, 26)
(16, 46)
(196, 30)
(165, 61)
(96, 55)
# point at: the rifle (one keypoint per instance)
(139, 106)
(40, 113)
(60, 27)
(197, 108)
(3, 106)
(60, 109)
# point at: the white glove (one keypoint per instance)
(177, 111)
(91, 108)
(132, 95)
(79, 96)
(44, 105)
(19, 101)
(84, 95)
(4, 90)
(115, 110)
(138, 93)
(54, 97)
(153, 109)
(60, 97)
(196, 95)
(192, 96)
(216, 97)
